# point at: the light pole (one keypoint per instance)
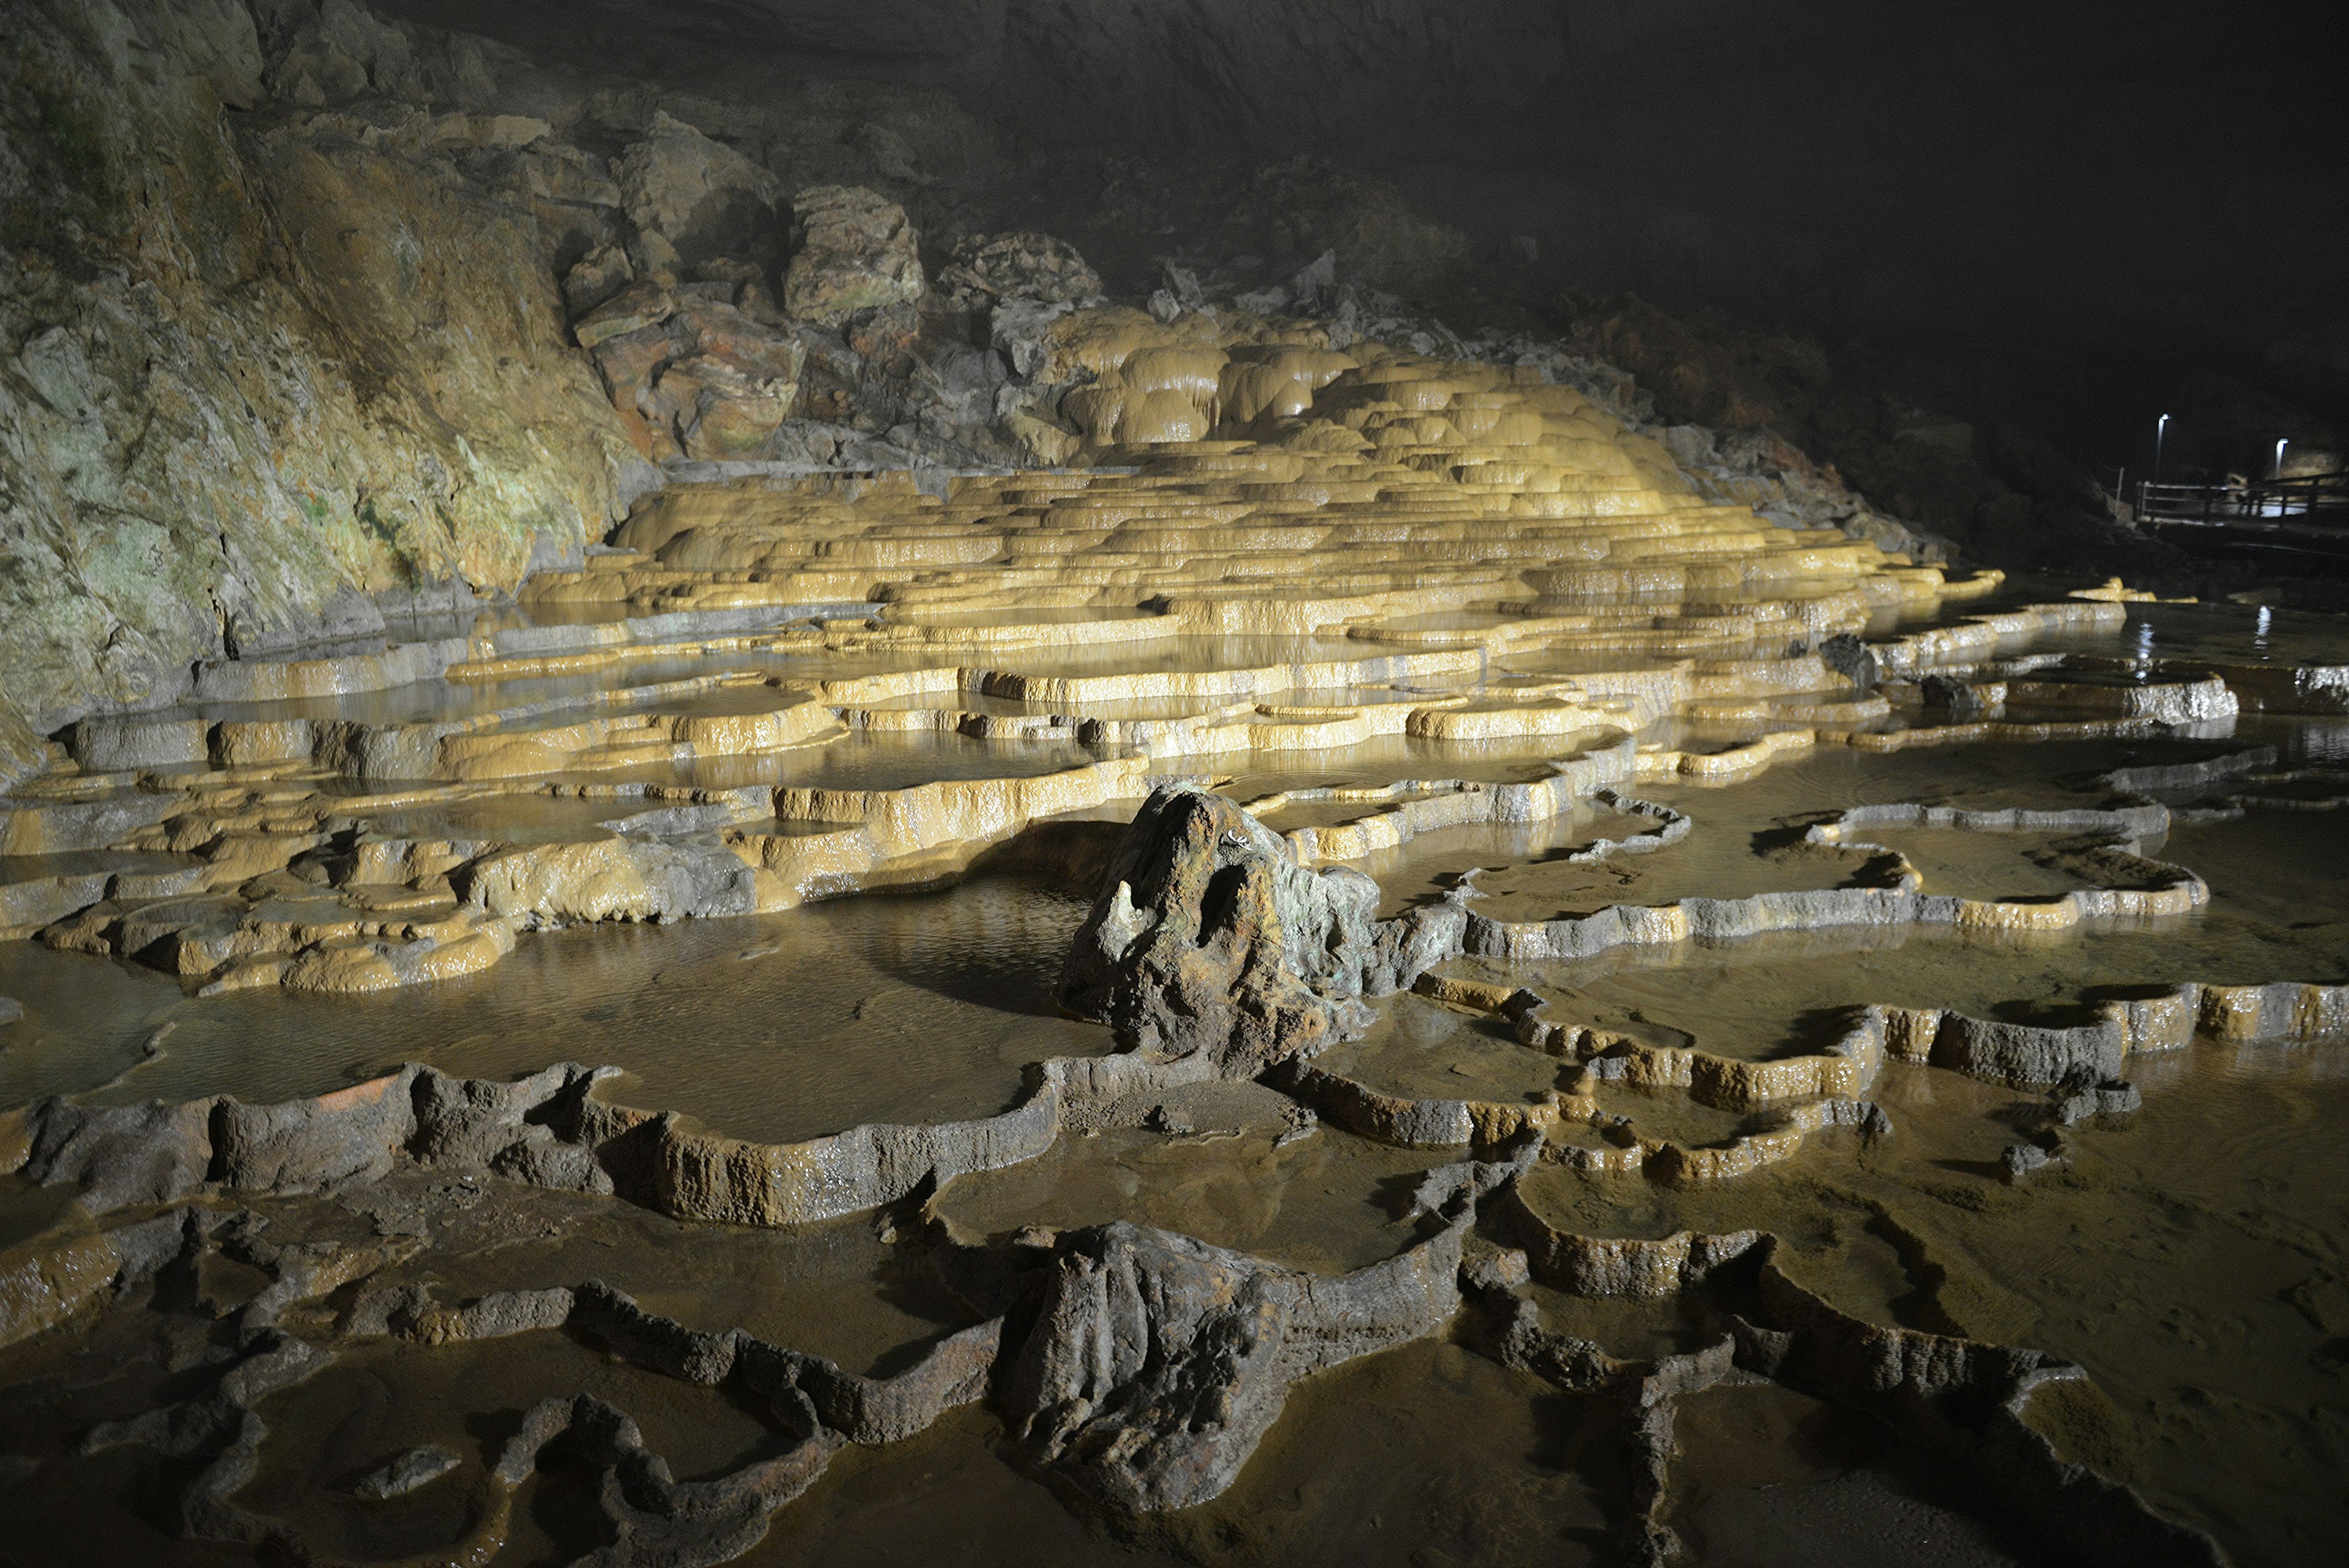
(2161, 428)
(2278, 461)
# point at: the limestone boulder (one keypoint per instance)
(631, 361)
(1851, 659)
(852, 250)
(752, 291)
(692, 197)
(596, 278)
(734, 337)
(718, 412)
(693, 374)
(985, 271)
(630, 309)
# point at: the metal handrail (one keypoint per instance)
(2307, 496)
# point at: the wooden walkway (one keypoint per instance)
(2306, 517)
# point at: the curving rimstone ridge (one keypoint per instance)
(2305, 690)
(1288, 558)
(1975, 639)
(1964, 1400)
(1445, 804)
(1540, 527)
(1208, 1343)
(1992, 1049)
(650, 1517)
(258, 815)
(1221, 946)
(1805, 1094)
(1158, 1363)
(1824, 1089)
(1642, 1394)
(1153, 1364)
(323, 901)
(1615, 1266)
(1401, 812)
(1345, 956)
(1896, 901)
(546, 1130)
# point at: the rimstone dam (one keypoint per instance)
(764, 801)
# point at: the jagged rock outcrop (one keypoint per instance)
(1210, 938)
(852, 250)
(704, 368)
(713, 369)
(1157, 1362)
(292, 343)
(693, 200)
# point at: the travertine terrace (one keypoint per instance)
(709, 855)
(1416, 612)
(1276, 552)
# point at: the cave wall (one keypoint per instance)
(267, 370)
(2109, 199)
(2156, 165)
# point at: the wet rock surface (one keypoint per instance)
(752, 877)
(743, 282)
(986, 272)
(1158, 1363)
(1142, 1368)
(1210, 941)
(1143, 1249)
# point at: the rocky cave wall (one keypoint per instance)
(1823, 165)
(270, 368)
(2004, 214)
(2023, 197)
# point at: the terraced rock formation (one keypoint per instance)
(843, 894)
(1212, 600)
(1253, 991)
